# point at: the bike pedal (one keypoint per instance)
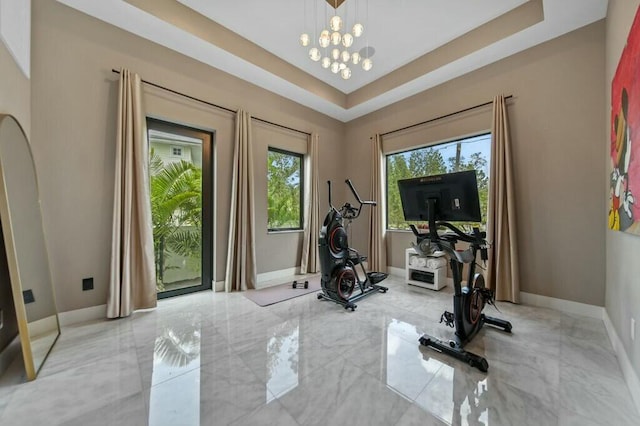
(447, 318)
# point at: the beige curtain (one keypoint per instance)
(310, 261)
(133, 279)
(503, 270)
(241, 254)
(377, 246)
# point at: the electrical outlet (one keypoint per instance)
(28, 297)
(87, 284)
(633, 329)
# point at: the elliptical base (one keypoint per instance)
(454, 349)
(348, 303)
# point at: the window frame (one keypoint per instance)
(208, 138)
(427, 146)
(301, 157)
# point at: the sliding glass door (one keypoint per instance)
(181, 179)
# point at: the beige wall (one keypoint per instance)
(74, 135)
(556, 127)
(15, 90)
(15, 94)
(623, 250)
(555, 121)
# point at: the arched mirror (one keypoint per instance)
(25, 246)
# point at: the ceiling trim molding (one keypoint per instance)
(187, 19)
(506, 25)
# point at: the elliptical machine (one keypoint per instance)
(338, 261)
(454, 197)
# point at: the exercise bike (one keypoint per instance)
(338, 261)
(448, 196)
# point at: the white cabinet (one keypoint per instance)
(423, 276)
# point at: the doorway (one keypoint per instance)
(181, 188)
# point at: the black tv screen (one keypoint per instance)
(455, 195)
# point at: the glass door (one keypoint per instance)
(181, 179)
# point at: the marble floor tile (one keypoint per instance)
(218, 359)
(416, 416)
(590, 355)
(588, 393)
(289, 355)
(340, 393)
(457, 396)
(73, 392)
(128, 411)
(399, 364)
(271, 413)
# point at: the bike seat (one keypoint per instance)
(464, 256)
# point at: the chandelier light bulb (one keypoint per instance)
(347, 40)
(325, 39)
(314, 54)
(358, 30)
(336, 23)
(335, 44)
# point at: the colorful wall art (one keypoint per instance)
(624, 206)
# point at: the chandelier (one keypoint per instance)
(336, 47)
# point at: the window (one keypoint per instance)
(181, 206)
(284, 190)
(473, 153)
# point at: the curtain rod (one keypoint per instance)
(441, 117)
(175, 92)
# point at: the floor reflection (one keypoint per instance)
(458, 395)
(282, 360)
(176, 355)
(454, 396)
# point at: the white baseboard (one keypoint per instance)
(81, 315)
(569, 306)
(630, 376)
(396, 272)
(219, 286)
(43, 326)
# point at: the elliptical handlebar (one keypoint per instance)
(347, 210)
(330, 205)
(355, 194)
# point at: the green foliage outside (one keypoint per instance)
(176, 212)
(283, 190)
(425, 162)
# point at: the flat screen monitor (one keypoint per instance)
(455, 195)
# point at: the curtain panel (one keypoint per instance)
(377, 247)
(132, 283)
(241, 255)
(503, 267)
(310, 262)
